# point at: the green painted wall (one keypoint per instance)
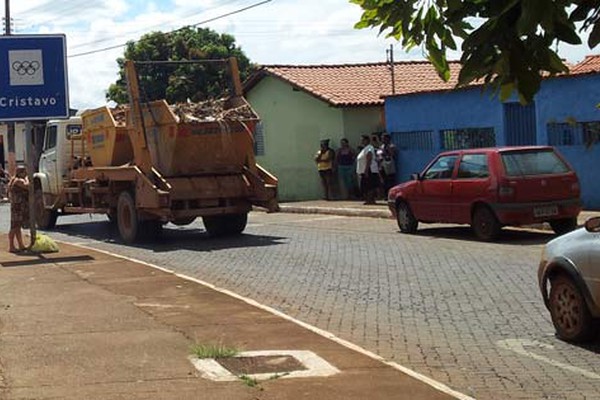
(294, 122)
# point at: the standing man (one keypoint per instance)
(325, 158)
(367, 170)
(388, 163)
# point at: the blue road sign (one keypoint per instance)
(33, 77)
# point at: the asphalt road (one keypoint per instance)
(465, 313)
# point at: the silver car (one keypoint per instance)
(569, 278)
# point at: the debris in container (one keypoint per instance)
(210, 110)
(119, 114)
(206, 111)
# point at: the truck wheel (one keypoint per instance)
(127, 218)
(45, 218)
(225, 225)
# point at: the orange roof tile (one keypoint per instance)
(590, 64)
(359, 84)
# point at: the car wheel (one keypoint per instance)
(485, 224)
(565, 225)
(570, 315)
(405, 218)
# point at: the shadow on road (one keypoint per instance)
(172, 237)
(508, 236)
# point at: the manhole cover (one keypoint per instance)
(261, 364)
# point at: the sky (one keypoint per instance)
(274, 32)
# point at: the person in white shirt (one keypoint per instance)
(367, 170)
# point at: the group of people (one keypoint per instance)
(372, 167)
(16, 189)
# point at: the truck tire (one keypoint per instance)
(225, 225)
(45, 218)
(127, 217)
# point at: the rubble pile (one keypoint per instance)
(206, 111)
(210, 110)
(119, 113)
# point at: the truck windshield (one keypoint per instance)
(533, 162)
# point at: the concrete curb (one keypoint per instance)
(347, 212)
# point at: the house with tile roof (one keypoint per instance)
(299, 105)
(564, 114)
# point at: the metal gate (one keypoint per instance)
(520, 124)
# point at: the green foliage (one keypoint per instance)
(507, 44)
(177, 83)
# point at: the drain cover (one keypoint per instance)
(264, 364)
(261, 364)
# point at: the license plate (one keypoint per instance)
(545, 211)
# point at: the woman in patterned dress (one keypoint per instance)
(18, 191)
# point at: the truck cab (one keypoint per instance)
(62, 142)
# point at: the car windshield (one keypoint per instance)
(533, 162)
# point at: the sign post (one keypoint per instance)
(33, 86)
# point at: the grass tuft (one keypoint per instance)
(250, 382)
(214, 351)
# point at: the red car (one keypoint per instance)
(490, 188)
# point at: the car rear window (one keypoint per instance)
(533, 162)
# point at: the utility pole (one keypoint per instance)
(29, 149)
(10, 126)
(390, 54)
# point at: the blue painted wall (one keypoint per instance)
(573, 99)
(559, 100)
(435, 112)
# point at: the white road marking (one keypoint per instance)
(328, 335)
(518, 346)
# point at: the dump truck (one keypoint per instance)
(147, 164)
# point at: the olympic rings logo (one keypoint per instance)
(23, 68)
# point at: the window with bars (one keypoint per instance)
(467, 138)
(259, 140)
(414, 140)
(573, 133)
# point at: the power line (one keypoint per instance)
(176, 30)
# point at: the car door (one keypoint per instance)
(471, 183)
(433, 197)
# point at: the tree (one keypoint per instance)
(507, 44)
(177, 83)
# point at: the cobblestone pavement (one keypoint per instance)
(465, 313)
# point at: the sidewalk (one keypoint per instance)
(81, 324)
(380, 210)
